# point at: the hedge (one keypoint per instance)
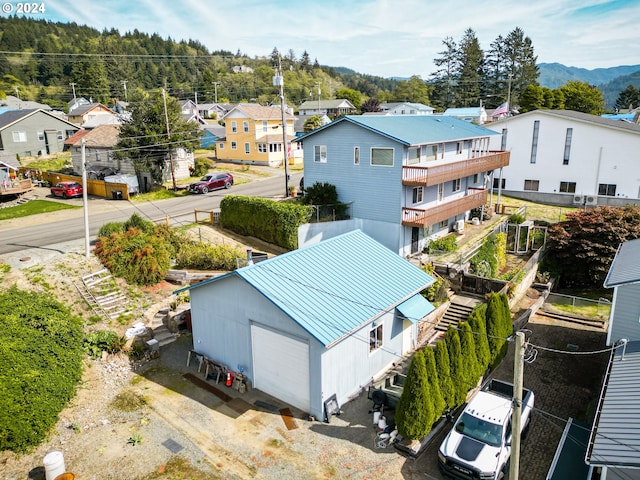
(40, 365)
(271, 221)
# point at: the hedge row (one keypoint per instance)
(269, 220)
(439, 379)
(40, 365)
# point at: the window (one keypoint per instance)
(234, 127)
(60, 137)
(413, 156)
(245, 126)
(320, 153)
(234, 146)
(417, 194)
(431, 152)
(382, 157)
(443, 224)
(534, 141)
(375, 338)
(440, 192)
(221, 145)
(531, 185)
(265, 126)
(356, 155)
(41, 136)
(607, 189)
(568, 187)
(455, 185)
(19, 137)
(567, 146)
(459, 148)
(503, 142)
(98, 156)
(475, 178)
(498, 184)
(247, 148)
(262, 147)
(275, 147)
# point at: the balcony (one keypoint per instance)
(416, 217)
(440, 172)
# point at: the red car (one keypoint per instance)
(212, 181)
(67, 190)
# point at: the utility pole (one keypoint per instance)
(85, 202)
(215, 89)
(516, 415)
(73, 86)
(278, 80)
(166, 118)
(124, 85)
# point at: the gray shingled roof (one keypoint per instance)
(615, 439)
(625, 267)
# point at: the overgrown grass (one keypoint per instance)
(33, 207)
(179, 468)
(162, 194)
(128, 401)
(537, 211)
(595, 311)
(54, 164)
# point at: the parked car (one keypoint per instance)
(211, 181)
(67, 190)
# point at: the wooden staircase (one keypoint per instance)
(456, 313)
(103, 295)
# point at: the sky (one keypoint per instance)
(387, 38)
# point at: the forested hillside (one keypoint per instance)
(40, 60)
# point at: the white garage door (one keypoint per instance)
(281, 366)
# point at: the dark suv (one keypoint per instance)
(212, 181)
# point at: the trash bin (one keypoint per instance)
(116, 194)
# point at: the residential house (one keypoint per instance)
(90, 115)
(28, 133)
(100, 160)
(214, 110)
(408, 178)
(15, 103)
(242, 69)
(469, 114)
(317, 323)
(615, 436)
(406, 108)
(253, 134)
(76, 102)
(211, 134)
(190, 112)
(569, 158)
(330, 108)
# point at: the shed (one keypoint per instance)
(319, 321)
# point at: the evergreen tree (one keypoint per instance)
(532, 98)
(435, 392)
(468, 351)
(305, 61)
(443, 77)
(470, 70)
(521, 63)
(413, 90)
(414, 412)
(444, 374)
(582, 97)
(275, 57)
(456, 363)
(496, 75)
(628, 98)
(478, 323)
(495, 325)
(91, 81)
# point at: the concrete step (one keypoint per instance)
(163, 336)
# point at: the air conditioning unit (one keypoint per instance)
(591, 200)
(458, 226)
(578, 199)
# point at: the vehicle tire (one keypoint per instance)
(64, 195)
(227, 185)
(205, 190)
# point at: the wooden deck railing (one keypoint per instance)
(439, 172)
(416, 217)
(15, 187)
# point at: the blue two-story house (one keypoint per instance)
(408, 178)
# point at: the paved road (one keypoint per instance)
(36, 238)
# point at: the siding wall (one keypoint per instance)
(31, 125)
(599, 154)
(625, 314)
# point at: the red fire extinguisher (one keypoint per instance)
(229, 379)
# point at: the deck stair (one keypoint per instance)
(456, 313)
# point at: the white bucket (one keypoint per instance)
(53, 465)
(382, 424)
(376, 417)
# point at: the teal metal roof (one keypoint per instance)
(333, 287)
(416, 308)
(463, 112)
(413, 129)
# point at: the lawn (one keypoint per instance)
(536, 211)
(32, 207)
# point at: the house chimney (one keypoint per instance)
(249, 257)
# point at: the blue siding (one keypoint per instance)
(375, 191)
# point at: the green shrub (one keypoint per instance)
(443, 244)
(201, 166)
(269, 220)
(102, 341)
(204, 256)
(137, 222)
(485, 262)
(444, 375)
(516, 218)
(437, 292)
(111, 227)
(457, 365)
(320, 194)
(40, 365)
(414, 412)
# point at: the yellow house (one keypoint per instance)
(253, 134)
